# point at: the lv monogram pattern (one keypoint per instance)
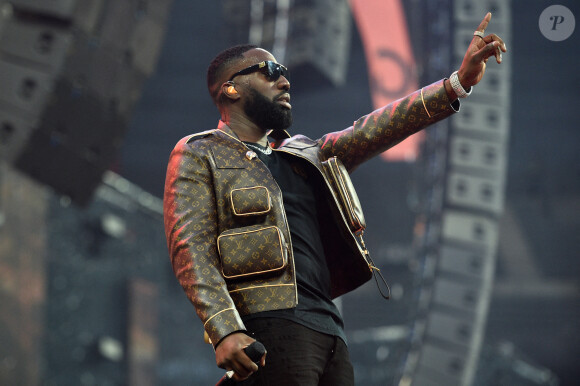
(384, 128)
(250, 201)
(206, 168)
(348, 199)
(252, 251)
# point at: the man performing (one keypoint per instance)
(260, 233)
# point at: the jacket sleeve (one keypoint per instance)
(385, 127)
(191, 229)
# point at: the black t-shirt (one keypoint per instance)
(301, 197)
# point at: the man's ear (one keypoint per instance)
(229, 90)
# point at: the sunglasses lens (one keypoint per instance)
(274, 70)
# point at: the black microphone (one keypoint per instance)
(255, 352)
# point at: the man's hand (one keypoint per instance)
(230, 355)
(479, 51)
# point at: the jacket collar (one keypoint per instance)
(276, 135)
(227, 130)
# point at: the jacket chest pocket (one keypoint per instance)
(250, 251)
(251, 201)
(347, 197)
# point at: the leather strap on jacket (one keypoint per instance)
(352, 211)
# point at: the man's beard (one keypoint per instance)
(265, 113)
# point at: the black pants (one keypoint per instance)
(299, 356)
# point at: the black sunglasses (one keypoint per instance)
(272, 70)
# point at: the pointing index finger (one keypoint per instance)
(484, 22)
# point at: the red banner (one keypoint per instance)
(391, 64)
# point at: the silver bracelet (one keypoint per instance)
(457, 87)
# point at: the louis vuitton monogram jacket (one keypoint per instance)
(225, 223)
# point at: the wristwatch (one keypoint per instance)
(457, 87)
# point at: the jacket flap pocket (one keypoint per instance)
(251, 201)
(346, 194)
(250, 251)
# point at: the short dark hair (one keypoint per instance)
(220, 64)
